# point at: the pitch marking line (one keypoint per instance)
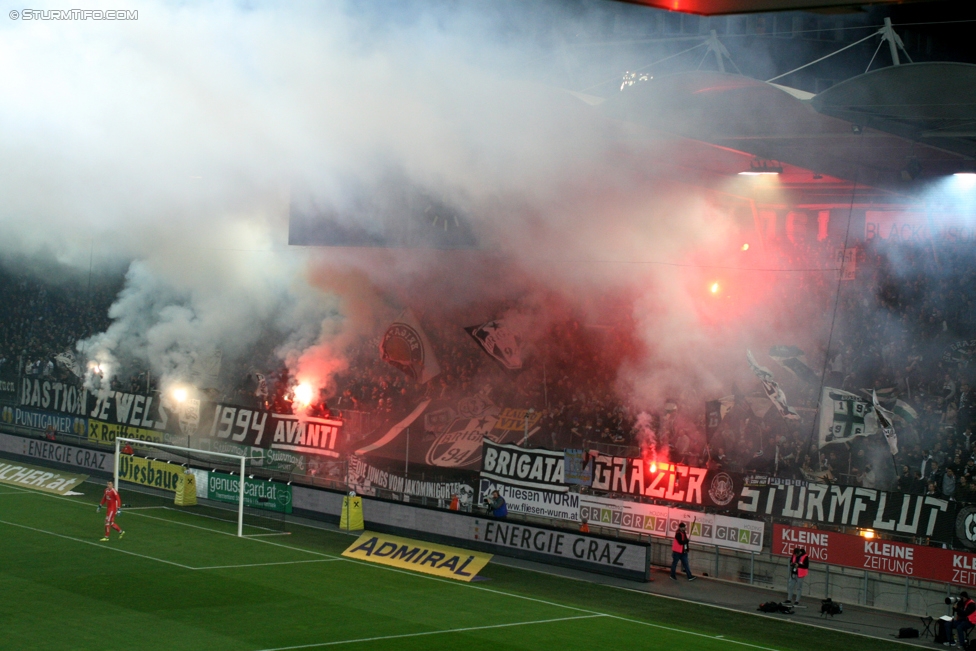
(442, 632)
(225, 567)
(99, 545)
(162, 560)
(591, 613)
(211, 517)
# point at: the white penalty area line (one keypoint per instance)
(97, 544)
(440, 632)
(227, 567)
(102, 545)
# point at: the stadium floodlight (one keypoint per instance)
(185, 450)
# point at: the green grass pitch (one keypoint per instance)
(181, 580)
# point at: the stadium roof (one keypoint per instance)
(718, 7)
(870, 130)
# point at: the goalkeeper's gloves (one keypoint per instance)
(98, 508)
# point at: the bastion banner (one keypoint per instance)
(874, 555)
(116, 413)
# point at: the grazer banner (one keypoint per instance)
(541, 469)
(665, 481)
(650, 519)
(885, 556)
(901, 513)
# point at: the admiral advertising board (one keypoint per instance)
(875, 555)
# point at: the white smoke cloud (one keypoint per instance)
(174, 140)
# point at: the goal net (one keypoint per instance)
(165, 469)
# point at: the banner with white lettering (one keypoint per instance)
(651, 519)
(665, 481)
(365, 479)
(538, 468)
(875, 555)
(533, 501)
(69, 455)
(564, 548)
(43, 421)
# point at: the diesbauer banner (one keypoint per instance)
(258, 494)
(147, 472)
(885, 556)
(706, 528)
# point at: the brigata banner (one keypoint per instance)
(541, 469)
(42, 479)
(429, 558)
(875, 555)
(706, 528)
(532, 501)
(147, 472)
(258, 493)
(57, 452)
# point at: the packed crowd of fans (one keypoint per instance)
(901, 329)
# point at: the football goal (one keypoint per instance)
(144, 473)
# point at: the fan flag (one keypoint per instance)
(885, 425)
(772, 389)
(500, 342)
(405, 346)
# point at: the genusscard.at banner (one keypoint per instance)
(258, 493)
(540, 469)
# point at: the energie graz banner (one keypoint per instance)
(901, 513)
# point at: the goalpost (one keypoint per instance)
(188, 451)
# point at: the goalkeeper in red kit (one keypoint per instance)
(112, 502)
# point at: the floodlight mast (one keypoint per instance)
(241, 458)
